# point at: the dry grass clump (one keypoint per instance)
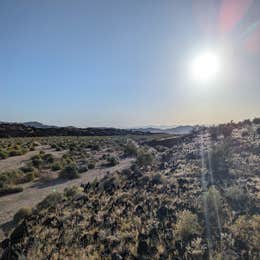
(187, 225)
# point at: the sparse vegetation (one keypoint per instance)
(164, 205)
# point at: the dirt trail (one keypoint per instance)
(35, 192)
(15, 162)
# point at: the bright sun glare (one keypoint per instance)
(205, 66)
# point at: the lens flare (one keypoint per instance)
(205, 66)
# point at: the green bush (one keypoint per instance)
(3, 154)
(238, 198)
(27, 168)
(131, 149)
(69, 172)
(7, 178)
(21, 214)
(112, 161)
(72, 191)
(36, 161)
(144, 158)
(48, 158)
(83, 168)
(3, 180)
(91, 165)
(16, 152)
(56, 166)
(50, 201)
(30, 176)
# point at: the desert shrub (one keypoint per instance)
(72, 191)
(95, 147)
(54, 146)
(109, 185)
(131, 149)
(3, 154)
(36, 161)
(66, 159)
(10, 177)
(56, 166)
(30, 176)
(27, 168)
(69, 172)
(144, 158)
(91, 165)
(238, 198)
(50, 201)
(157, 179)
(9, 190)
(15, 152)
(246, 230)
(256, 120)
(244, 133)
(187, 225)
(48, 158)
(112, 161)
(21, 214)
(83, 168)
(3, 180)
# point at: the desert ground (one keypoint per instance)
(126, 197)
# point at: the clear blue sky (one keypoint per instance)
(124, 63)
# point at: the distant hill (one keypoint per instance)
(38, 125)
(179, 130)
(21, 130)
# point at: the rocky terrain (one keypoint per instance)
(197, 198)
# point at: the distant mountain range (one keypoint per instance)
(39, 129)
(178, 130)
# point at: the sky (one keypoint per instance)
(127, 63)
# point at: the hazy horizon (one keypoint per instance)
(126, 63)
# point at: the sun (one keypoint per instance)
(205, 66)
